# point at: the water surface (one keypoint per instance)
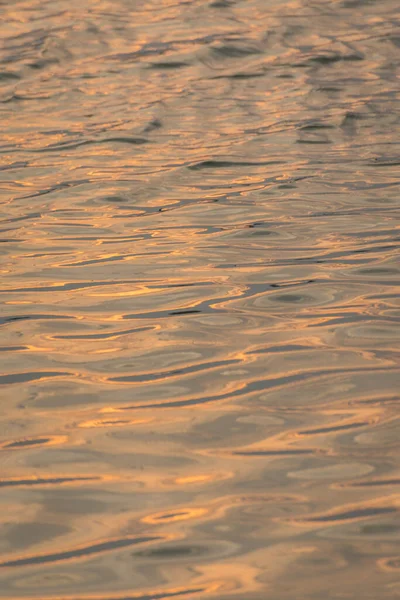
(199, 299)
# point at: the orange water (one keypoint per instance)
(199, 299)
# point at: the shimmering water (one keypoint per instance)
(199, 299)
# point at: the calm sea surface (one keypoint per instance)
(200, 312)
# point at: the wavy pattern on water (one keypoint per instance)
(76, 553)
(199, 299)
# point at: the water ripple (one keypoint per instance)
(199, 302)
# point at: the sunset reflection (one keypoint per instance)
(199, 353)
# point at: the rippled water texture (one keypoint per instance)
(199, 299)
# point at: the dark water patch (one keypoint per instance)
(44, 481)
(170, 65)
(175, 552)
(8, 76)
(292, 298)
(27, 216)
(284, 348)
(153, 126)
(379, 529)
(27, 443)
(372, 483)
(241, 75)
(23, 535)
(59, 147)
(101, 336)
(85, 552)
(385, 162)
(223, 164)
(329, 59)
(392, 563)
(14, 378)
(222, 3)
(43, 63)
(378, 271)
(351, 515)
(289, 452)
(356, 3)
(33, 317)
(99, 261)
(334, 428)
(235, 50)
(395, 40)
(185, 312)
(69, 287)
(13, 348)
(314, 140)
(142, 378)
(315, 127)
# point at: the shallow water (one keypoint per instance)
(199, 299)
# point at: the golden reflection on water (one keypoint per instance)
(199, 300)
